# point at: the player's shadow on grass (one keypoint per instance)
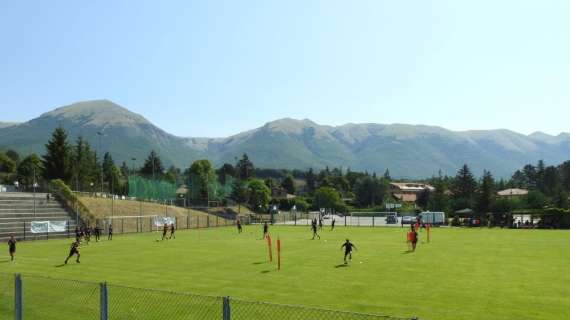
(408, 252)
(258, 263)
(265, 271)
(59, 265)
(342, 265)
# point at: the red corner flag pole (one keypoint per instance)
(269, 247)
(278, 254)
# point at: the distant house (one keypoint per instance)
(280, 193)
(408, 191)
(512, 192)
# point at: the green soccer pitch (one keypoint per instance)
(460, 274)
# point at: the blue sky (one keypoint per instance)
(214, 68)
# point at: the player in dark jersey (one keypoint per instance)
(77, 234)
(12, 247)
(348, 246)
(239, 226)
(110, 236)
(172, 229)
(314, 228)
(97, 233)
(73, 250)
(164, 231)
(320, 223)
(265, 230)
(87, 234)
(332, 224)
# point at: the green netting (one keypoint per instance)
(143, 188)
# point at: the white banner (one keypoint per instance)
(48, 226)
(160, 221)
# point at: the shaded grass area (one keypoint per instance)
(461, 274)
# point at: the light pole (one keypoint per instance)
(34, 184)
(100, 134)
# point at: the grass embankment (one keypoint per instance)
(103, 208)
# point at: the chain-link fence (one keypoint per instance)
(300, 218)
(37, 297)
(6, 295)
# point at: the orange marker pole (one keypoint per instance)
(278, 254)
(269, 247)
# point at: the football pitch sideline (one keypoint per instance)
(460, 274)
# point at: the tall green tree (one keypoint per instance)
(202, 178)
(152, 166)
(239, 193)
(438, 200)
(108, 167)
(57, 159)
(530, 174)
(311, 180)
(387, 175)
(225, 172)
(565, 174)
(245, 168)
(7, 165)
(327, 197)
(518, 180)
(370, 191)
(550, 181)
(540, 172)
(258, 194)
(85, 167)
(485, 193)
(30, 170)
(463, 188)
(15, 156)
(288, 184)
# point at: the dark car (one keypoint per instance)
(392, 219)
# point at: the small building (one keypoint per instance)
(280, 193)
(408, 191)
(515, 192)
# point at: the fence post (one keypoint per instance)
(207, 221)
(226, 309)
(104, 305)
(18, 307)
(372, 221)
(345, 220)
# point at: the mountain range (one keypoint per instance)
(408, 151)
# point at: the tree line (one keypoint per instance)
(83, 169)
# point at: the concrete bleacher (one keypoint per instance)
(18, 209)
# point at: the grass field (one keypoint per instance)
(461, 274)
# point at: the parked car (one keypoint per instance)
(408, 220)
(392, 218)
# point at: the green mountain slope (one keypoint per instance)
(407, 150)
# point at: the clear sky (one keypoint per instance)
(214, 68)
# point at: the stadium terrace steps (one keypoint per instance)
(18, 209)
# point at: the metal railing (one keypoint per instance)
(37, 297)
